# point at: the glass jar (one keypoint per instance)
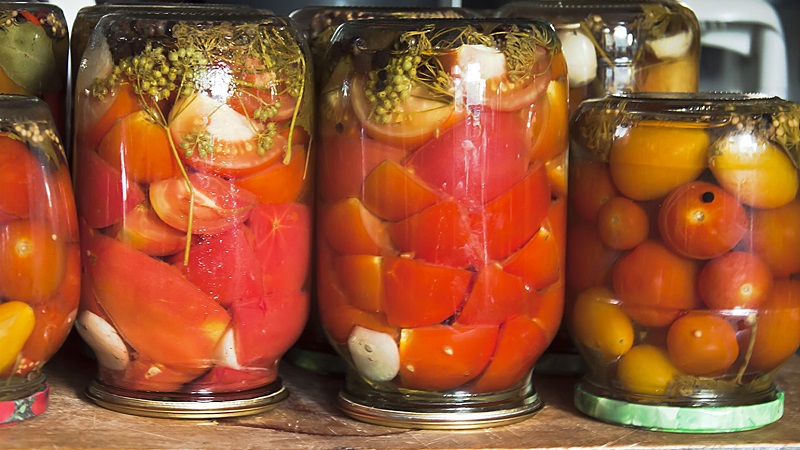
(681, 255)
(192, 135)
(621, 46)
(39, 254)
(34, 43)
(441, 176)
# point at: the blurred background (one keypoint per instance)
(748, 45)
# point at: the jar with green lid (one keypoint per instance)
(682, 256)
(441, 209)
(192, 131)
(33, 54)
(39, 254)
(621, 46)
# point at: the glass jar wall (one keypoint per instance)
(682, 256)
(193, 172)
(441, 180)
(39, 254)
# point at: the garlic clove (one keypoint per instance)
(375, 354)
(671, 47)
(581, 57)
(225, 353)
(108, 346)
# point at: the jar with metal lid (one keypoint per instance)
(33, 54)
(621, 46)
(441, 214)
(192, 176)
(682, 253)
(39, 254)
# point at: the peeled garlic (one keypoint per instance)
(374, 354)
(581, 57)
(671, 47)
(108, 346)
(225, 353)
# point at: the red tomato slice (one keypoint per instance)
(145, 375)
(265, 327)
(20, 173)
(350, 229)
(260, 90)
(232, 140)
(546, 308)
(218, 204)
(475, 160)
(158, 312)
(103, 195)
(228, 379)
(94, 116)
(509, 364)
(346, 159)
(509, 221)
(443, 357)
(143, 230)
(282, 241)
(419, 294)
(224, 266)
(495, 297)
(439, 234)
(361, 279)
(539, 262)
(279, 182)
(393, 193)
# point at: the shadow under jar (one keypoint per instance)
(681, 256)
(441, 216)
(39, 254)
(192, 181)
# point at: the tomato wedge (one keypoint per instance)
(158, 312)
(143, 230)
(282, 242)
(217, 205)
(279, 182)
(495, 297)
(361, 279)
(419, 294)
(393, 193)
(350, 229)
(539, 262)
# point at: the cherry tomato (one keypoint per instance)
(278, 182)
(701, 343)
(775, 239)
(622, 224)
(735, 280)
(143, 230)
(647, 370)
(758, 173)
(590, 186)
(212, 137)
(418, 118)
(32, 261)
(20, 174)
(700, 220)
(777, 332)
(589, 260)
(443, 357)
(600, 325)
(419, 293)
(649, 161)
(216, 206)
(282, 242)
(163, 316)
(140, 147)
(103, 195)
(350, 229)
(655, 285)
(18, 320)
(475, 160)
(224, 266)
(265, 327)
(495, 297)
(510, 364)
(393, 193)
(439, 234)
(361, 280)
(539, 262)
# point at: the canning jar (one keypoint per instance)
(33, 54)
(621, 46)
(441, 214)
(193, 187)
(39, 254)
(682, 253)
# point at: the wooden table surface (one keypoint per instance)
(309, 419)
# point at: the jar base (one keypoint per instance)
(188, 406)
(445, 413)
(679, 419)
(28, 406)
